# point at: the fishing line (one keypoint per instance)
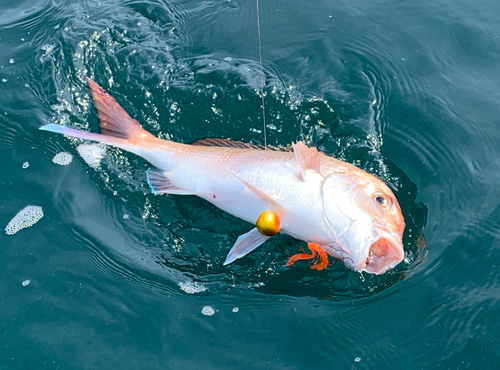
(261, 76)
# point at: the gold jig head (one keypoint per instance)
(268, 223)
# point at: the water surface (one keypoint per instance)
(407, 91)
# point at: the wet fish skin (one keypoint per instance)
(349, 213)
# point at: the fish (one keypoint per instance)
(336, 207)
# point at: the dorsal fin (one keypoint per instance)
(226, 143)
(308, 158)
(113, 120)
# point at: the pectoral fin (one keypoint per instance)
(245, 244)
(273, 205)
(160, 183)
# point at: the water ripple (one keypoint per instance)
(28, 14)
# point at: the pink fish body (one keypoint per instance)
(349, 213)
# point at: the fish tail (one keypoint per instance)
(110, 140)
(116, 127)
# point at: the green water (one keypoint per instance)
(405, 90)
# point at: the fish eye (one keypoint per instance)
(383, 200)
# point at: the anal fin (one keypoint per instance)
(160, 183)
(245, 244)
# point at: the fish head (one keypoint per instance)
(366, 220)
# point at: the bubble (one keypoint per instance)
(26, 165)
(26, 217)
(192, 287)
(235, 309)
(256, 285)
(63, 158)
(217, 111)
(26, 282)
(208, 311)
(92, 154)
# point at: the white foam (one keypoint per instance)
(192, 287)
(48, 49)
(26, 217)
(92, 154)
(208, 311)
(63, 158)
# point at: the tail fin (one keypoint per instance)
(113, 120)
(106, 139)
(116, 126)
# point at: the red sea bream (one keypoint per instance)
(350, 214)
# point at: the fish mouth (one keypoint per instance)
(383, 255)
